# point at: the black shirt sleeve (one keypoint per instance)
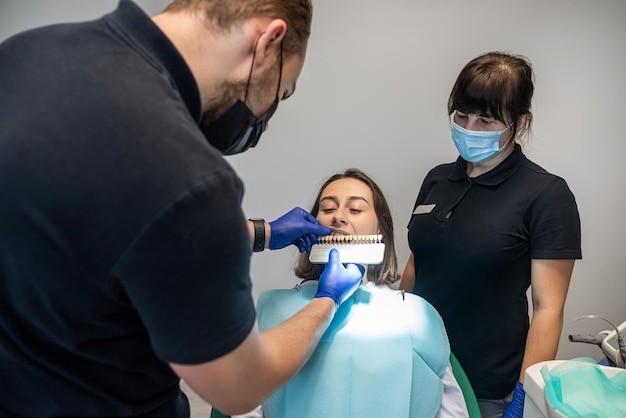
(187, 274)
(554, 223)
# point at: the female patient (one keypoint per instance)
(386, 353)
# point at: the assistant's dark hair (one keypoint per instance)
(497, 85)
(223, 14)
(384, 273)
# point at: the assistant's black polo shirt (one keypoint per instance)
(473, 240)
(122, 242)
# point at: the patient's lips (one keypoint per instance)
(337, 231)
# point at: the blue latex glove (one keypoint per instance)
(337, 281)
(516, 407)
(297, 227)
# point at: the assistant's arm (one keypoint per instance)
(549, 285)
(408, 275)
(550, 281)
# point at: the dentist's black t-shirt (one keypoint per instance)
(123, 245)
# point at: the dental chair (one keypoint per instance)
(217, 414)
(459, 374)
(468, 392)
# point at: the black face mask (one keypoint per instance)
(238, 128)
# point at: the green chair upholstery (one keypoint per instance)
(459, 374)
(466, 387)
(217, 414)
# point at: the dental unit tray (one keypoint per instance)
(358, 249)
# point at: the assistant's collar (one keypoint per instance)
(494, 176)
(138, 27)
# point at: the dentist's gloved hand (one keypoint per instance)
(516, 407)
(297, 227)
(337, 281)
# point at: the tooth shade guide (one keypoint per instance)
(349, 239)
(360, 249)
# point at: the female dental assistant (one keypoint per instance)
(488, 226)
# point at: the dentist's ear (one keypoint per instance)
(269, 40)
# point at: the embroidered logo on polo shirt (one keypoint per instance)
(422, 209)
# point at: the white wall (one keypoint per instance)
(373, 95)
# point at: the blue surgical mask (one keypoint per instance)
(477, 146)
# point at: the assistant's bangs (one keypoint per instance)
(483, 94)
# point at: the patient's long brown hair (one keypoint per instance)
(384, 273)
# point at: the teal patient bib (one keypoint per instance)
(383, 355)
(579, 388)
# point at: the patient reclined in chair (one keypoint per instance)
(386, 354)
